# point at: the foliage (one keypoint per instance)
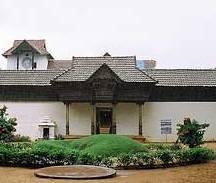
(57, 152)
(7, 125)
(107, 145)
(59, 137)
(191, 133)
(166, 156)
(20, 138)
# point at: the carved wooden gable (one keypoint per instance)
(104, 82)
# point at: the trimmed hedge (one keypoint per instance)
(48, 154)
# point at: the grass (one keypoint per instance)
(104, 145)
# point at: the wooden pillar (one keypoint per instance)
(18, 61)
(140, 118)
(32, 60)
(67, 118)
(114, 118)
(93, 120)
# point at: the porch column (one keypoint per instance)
(17, 66)
(33, 60)
(67, 118)
(93, 123)
(114, 118)
(140, 118)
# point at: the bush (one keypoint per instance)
(19, 138)
(196, 155)
(7, 125)
(191, 133)
(59, 137)
(144, 159)
(166, 156)
(56, 152)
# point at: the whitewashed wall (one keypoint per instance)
(41, 60)
(127, 119)
(80, 119)
(177, 111)
(29, 114)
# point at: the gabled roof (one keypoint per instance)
(184, 77)
(27, 77)
(59, 64)
(104, 72)
(38, 45)
(124, 67)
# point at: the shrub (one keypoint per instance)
(56, 152)
(124, 160)
(7, 125)
(59, 137)
(19, 138)
(143, 159)
(196, 155)
(191, 133)
(166, 156)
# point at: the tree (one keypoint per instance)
(7, 125)
(191, 133)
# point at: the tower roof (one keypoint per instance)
(37, 45)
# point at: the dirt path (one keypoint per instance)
(202, 173)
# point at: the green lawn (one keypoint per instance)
(104, 145)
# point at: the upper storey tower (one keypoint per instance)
(27, 55)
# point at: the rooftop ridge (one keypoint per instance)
(179, 69)
(103, 57)
(30, 39)
(147, 75)
(62, 73)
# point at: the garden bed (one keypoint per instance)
(103, 150)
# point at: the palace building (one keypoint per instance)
(101, 95)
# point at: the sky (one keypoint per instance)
(175, 33)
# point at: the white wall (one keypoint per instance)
(41, 60)
(203, 112)
(11, 62)
(29, 115)
(127, 119)
(80, 119)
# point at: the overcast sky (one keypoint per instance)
(175, 33)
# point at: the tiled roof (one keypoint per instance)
(38, 45)
(124, 67)
(183, 77)
(59, 64)
(31, 77)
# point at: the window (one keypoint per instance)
(46, 133)
(34, 65)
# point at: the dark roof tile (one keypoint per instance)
(124, 67)
(183, 77)
(59, 64)
(31, 77)
(38, 45)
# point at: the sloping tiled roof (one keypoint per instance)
(30, 77)
(59, 64)
(84, 67)
(38, 45)
(183, 77)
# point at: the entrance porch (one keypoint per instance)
(83, 119)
